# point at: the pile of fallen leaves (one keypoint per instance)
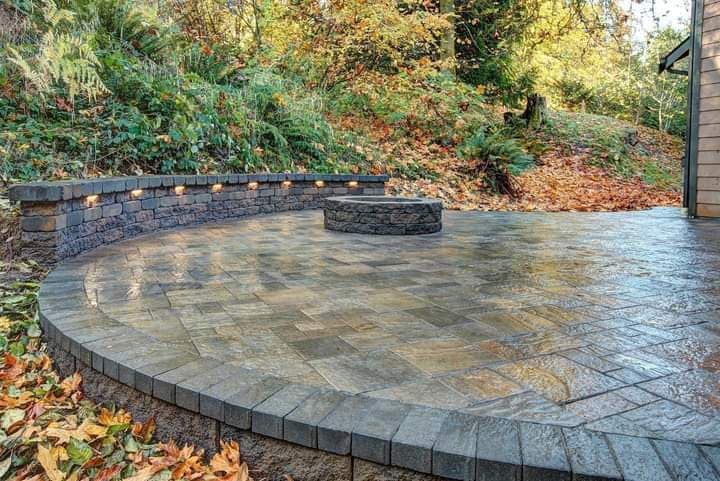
(48, 432)
(572, 171)
(559, 183)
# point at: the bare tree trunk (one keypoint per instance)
(535, 111)
(257, 17)
(447, 42)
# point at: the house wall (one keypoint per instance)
(708, 130)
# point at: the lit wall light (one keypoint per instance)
(286, 183)
(319, 183)
(353, 183)
(180, 189)
(136, 193)
(91, 199)
(217, 187)
(252, 185)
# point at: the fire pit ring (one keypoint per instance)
(383, 215)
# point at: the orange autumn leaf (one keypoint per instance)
(226, 464)
(71, 384)
(144, 431)
(48, 461)
(12, 368)
(107, 418)
(8, 402)
(108, 473)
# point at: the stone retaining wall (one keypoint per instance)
(63, 219)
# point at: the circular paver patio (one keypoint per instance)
(609, 321)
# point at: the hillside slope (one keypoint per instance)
(583, 163)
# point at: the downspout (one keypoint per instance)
(691, 148)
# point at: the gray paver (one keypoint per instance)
(212, 398)
(164, 384)
(498, 450)
(455, 448)
(187, 392)
(637, 458)
(590, 456)
(127, 370)
(414, 440)
(685, 461)
(371, 437)
(713, 454)
(335, 431)
(145, 374)
(543, 453)
(301, 424)
(238, 407)
(268, 416)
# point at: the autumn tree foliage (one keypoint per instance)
(337, 42)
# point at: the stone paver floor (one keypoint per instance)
(608, 320)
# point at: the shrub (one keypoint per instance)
(421, 102)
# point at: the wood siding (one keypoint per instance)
(708, 156)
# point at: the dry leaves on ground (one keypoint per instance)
(560, 182)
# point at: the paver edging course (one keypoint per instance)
(62, 219)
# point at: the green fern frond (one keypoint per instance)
(62, 59)
(53, 15)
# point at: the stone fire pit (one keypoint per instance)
(383, 215)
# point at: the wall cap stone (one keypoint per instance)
(53, 191)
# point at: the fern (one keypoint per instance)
(497, 158)
(136, 26)
(54, 16)
(65, 59)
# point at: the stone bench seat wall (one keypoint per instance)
(63, 219)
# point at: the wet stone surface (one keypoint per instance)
(609, 322)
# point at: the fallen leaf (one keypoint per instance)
(49, 464)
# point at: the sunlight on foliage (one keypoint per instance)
(108, 87)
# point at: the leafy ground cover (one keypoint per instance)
(49, 432)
